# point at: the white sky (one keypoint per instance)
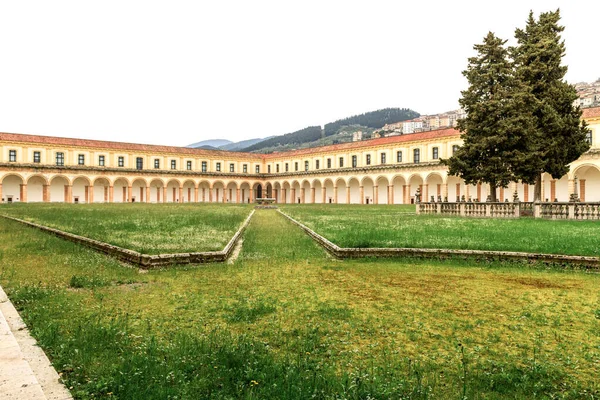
(177, 72)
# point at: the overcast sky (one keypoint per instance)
(177, 72)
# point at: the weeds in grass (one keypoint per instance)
(285, 322)
(393, 226)
(146, 228)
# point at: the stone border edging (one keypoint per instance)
(145, 261)
(47, 379)
(349, 252)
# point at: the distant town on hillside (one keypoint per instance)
(370, 125)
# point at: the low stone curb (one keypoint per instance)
(25, 371)
(348, 252)
(145, 261)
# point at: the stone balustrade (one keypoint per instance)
(555, 210)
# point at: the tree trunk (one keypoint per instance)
(493, 193)
(537, 189)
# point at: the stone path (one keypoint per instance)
(25, 371)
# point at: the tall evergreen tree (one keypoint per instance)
(560, 136)
(495, 131)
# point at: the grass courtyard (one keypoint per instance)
(145, 228)
(287, 321)
(399, 226)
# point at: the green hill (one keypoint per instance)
(315, 136)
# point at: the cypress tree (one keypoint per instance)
(495, 131)
(560, 135)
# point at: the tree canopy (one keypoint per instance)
(520, 121)
(560, 136)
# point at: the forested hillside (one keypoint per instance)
(368, 121)
(374, 119)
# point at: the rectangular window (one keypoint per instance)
(268, 169)
(416, 156)
(218, 166)
(188, 165)
(81, 159)
(341, 162)
(435, 153)
(287, 167)
(121, 161)
(173, 164)
(139, 163)
(245, 168)
(398, 156)
(368, 159)
(12, 156)
(156, 163)
(588, 136)
(329, 163)
(317, 166)
(37, 157)
(296, 166)
(203, 166)
(305, 165)
(101, 161)
(258, 169)
(231, 168)
(383, 158)
(454, 149)
(354, 161)
(60, 159)
(277, 168)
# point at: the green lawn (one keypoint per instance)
(146, 228)
(399, 226)
(287, 321)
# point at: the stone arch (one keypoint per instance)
(329, 193)
(173, 192)
(60, 189)
(317, 194)
(257, 191)
(295, 192)
(13, 189)
(231, 192)
(218, 188)
(415, 181)
(456, 189)
(277, 193)
(120, 189)
(81, 186)
(286, 194)
(367, 190)
(305, 190)
(139, 192)
(189, 191)
(157, 190)
(341, 192)
(400, 189)
(588, 182)
(100, 189)
(204, 191)
(433, 186)
(382, 193)
(36, 188)
(353, 191)
(245, 191)
(268, 190)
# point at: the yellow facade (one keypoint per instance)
(381, 171)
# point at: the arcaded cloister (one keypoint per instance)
(386, 170)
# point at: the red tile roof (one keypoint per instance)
(106, 145)
(592, 112)
(413, 137)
